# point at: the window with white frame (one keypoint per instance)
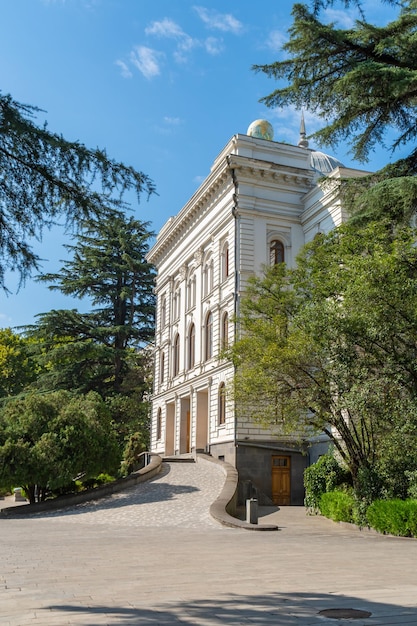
(191, 347)
(159, 424)
(176, 356)
(225, 261)
(176, 301)
(222, 404)
(191, 290)
(208, 276)
(276, 252)
(208, 337)
(162, 367)
(163, 312)
(224, 331)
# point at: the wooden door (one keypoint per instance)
(281, 480)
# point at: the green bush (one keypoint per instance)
(338, 506)
(322, 476)
(395, 517)
(412, 484)
(136, 444)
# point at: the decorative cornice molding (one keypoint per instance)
(226, 169)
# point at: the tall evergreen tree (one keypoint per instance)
(44, 177)
(95, 350)
(362, 80)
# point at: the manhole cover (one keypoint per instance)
(345, 613)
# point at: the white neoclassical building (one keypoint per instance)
(260, 203)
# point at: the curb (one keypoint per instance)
(224, 506)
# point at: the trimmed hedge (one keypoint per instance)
(338, 506)
(394, 517)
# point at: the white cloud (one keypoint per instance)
(213, 45)
(165, 28)
(276, 40)
(169, 125)
(172, 121)
(124, 69)
(286, 123)
(146, 61)
(219, 21)
(342, 18)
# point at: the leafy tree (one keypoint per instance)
(46, 177)
(325, 348)
(17, 367)
(47, 440)
(96, 350)
(346, 330)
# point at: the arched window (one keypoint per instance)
(191, 347)
(225, 331)
(191, 297)
(208, 277)
(208, 336)
(162, 368)
(176, 356)
(163, 314)
(176, 301)
(276, 252)
(222, 404)
(159, 424)
(225, 261)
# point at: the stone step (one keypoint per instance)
(179, 458)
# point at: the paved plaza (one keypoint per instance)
(151, 555)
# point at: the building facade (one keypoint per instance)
(260, 203)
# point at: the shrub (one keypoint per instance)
(322, 476)
(412, 484)
(338, 506)
(395, 517)
(135, 446)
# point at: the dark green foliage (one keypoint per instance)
(47, 440)
(44, 177)
(324, 475)
(336, 352)
(362, 81)
(338, 506)
(130, 414)
(395, 517)
(411, 476)
(136, 444)
(99, 350)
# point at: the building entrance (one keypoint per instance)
(281, 480)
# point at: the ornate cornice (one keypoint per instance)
(228, 169)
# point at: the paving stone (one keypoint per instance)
(153, 556)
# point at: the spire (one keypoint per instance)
(303, 142)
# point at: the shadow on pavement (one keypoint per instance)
(143, 493)
(274, 609)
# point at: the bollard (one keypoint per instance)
(18, 496)
(252, 511)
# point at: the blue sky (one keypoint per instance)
(161, 85)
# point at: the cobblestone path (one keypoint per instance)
(180, 495)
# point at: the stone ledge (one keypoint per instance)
(224, 506)
(146, 473)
